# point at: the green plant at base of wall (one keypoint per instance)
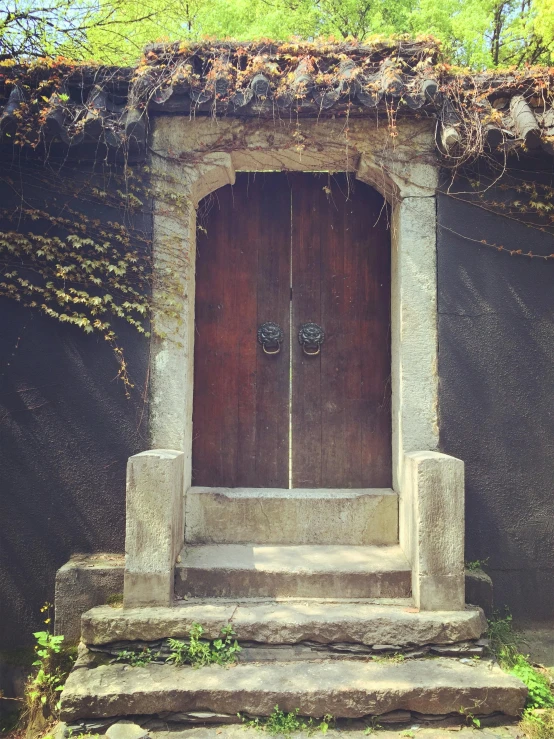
(476, 564)
(44, 685)
(135, 659)
(538, 716)
(199, 652)
(279, 723)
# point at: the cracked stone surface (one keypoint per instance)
(343, 689)
(288, 622)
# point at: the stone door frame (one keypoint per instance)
(187, 166)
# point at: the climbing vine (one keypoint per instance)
(74, 253)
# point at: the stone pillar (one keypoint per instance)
(432, 519)
(154, 526)
(413, 330)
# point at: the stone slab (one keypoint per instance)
(82, 583)
(252, 571)
(479, 590)
(126, 730)
(420, 732)
(343, 689)
(299, 516)
(282, 622)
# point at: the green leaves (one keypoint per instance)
(77, 271)
(199, 652)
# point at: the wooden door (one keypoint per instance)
(341, 419)
(241, 395)
(293, 249)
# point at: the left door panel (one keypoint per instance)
(241, 395)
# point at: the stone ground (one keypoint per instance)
(413, 731)
(538, 642)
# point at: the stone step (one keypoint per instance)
(287, 622)
(345, 689)
(307, 571)
(300, 516)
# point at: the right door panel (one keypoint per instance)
(341, 410)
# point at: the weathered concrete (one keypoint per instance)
(250, 571)
(432, 529)
(154, 526)
(343, 689)
(287, 622)
(82, 583)
(273, 516)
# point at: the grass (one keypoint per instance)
(279, 723)
(538, 717)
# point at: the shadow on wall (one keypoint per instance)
(496, 367)
(66, 431)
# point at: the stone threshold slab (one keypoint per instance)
(282, 622)
(343, 689)
(298, 516)
(312, 571)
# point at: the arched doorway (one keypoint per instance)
(300, 251)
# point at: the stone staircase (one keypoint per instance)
(327, 600)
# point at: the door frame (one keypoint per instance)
(193, 157)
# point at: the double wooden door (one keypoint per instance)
(292, 249)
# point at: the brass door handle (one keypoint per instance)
(270, 336)
(311, 337)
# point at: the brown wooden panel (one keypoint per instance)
(307, 230)
(241, 396)
(341, 419)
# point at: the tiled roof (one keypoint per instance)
(86, 104)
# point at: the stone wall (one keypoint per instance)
(496, 368)
(66, 431)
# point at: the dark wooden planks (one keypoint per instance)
(341, 279)
(308, 229)
(241, 413)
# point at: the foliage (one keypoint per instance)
(503, 640)
(504, 644)
(476, 564)
(538, 684)
(51, 27)
(75, 268)
(393, 658)
(538, 724)
(279, 723)
(474, 33)
(46, 682)
(199, 652)
(135, 659)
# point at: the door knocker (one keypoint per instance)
(311, 338)
(270, 336)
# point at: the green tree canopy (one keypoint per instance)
(475, 33)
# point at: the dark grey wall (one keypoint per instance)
(496, 367)
(66, 431)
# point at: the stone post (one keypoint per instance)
(432, 529)
(154, 526)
